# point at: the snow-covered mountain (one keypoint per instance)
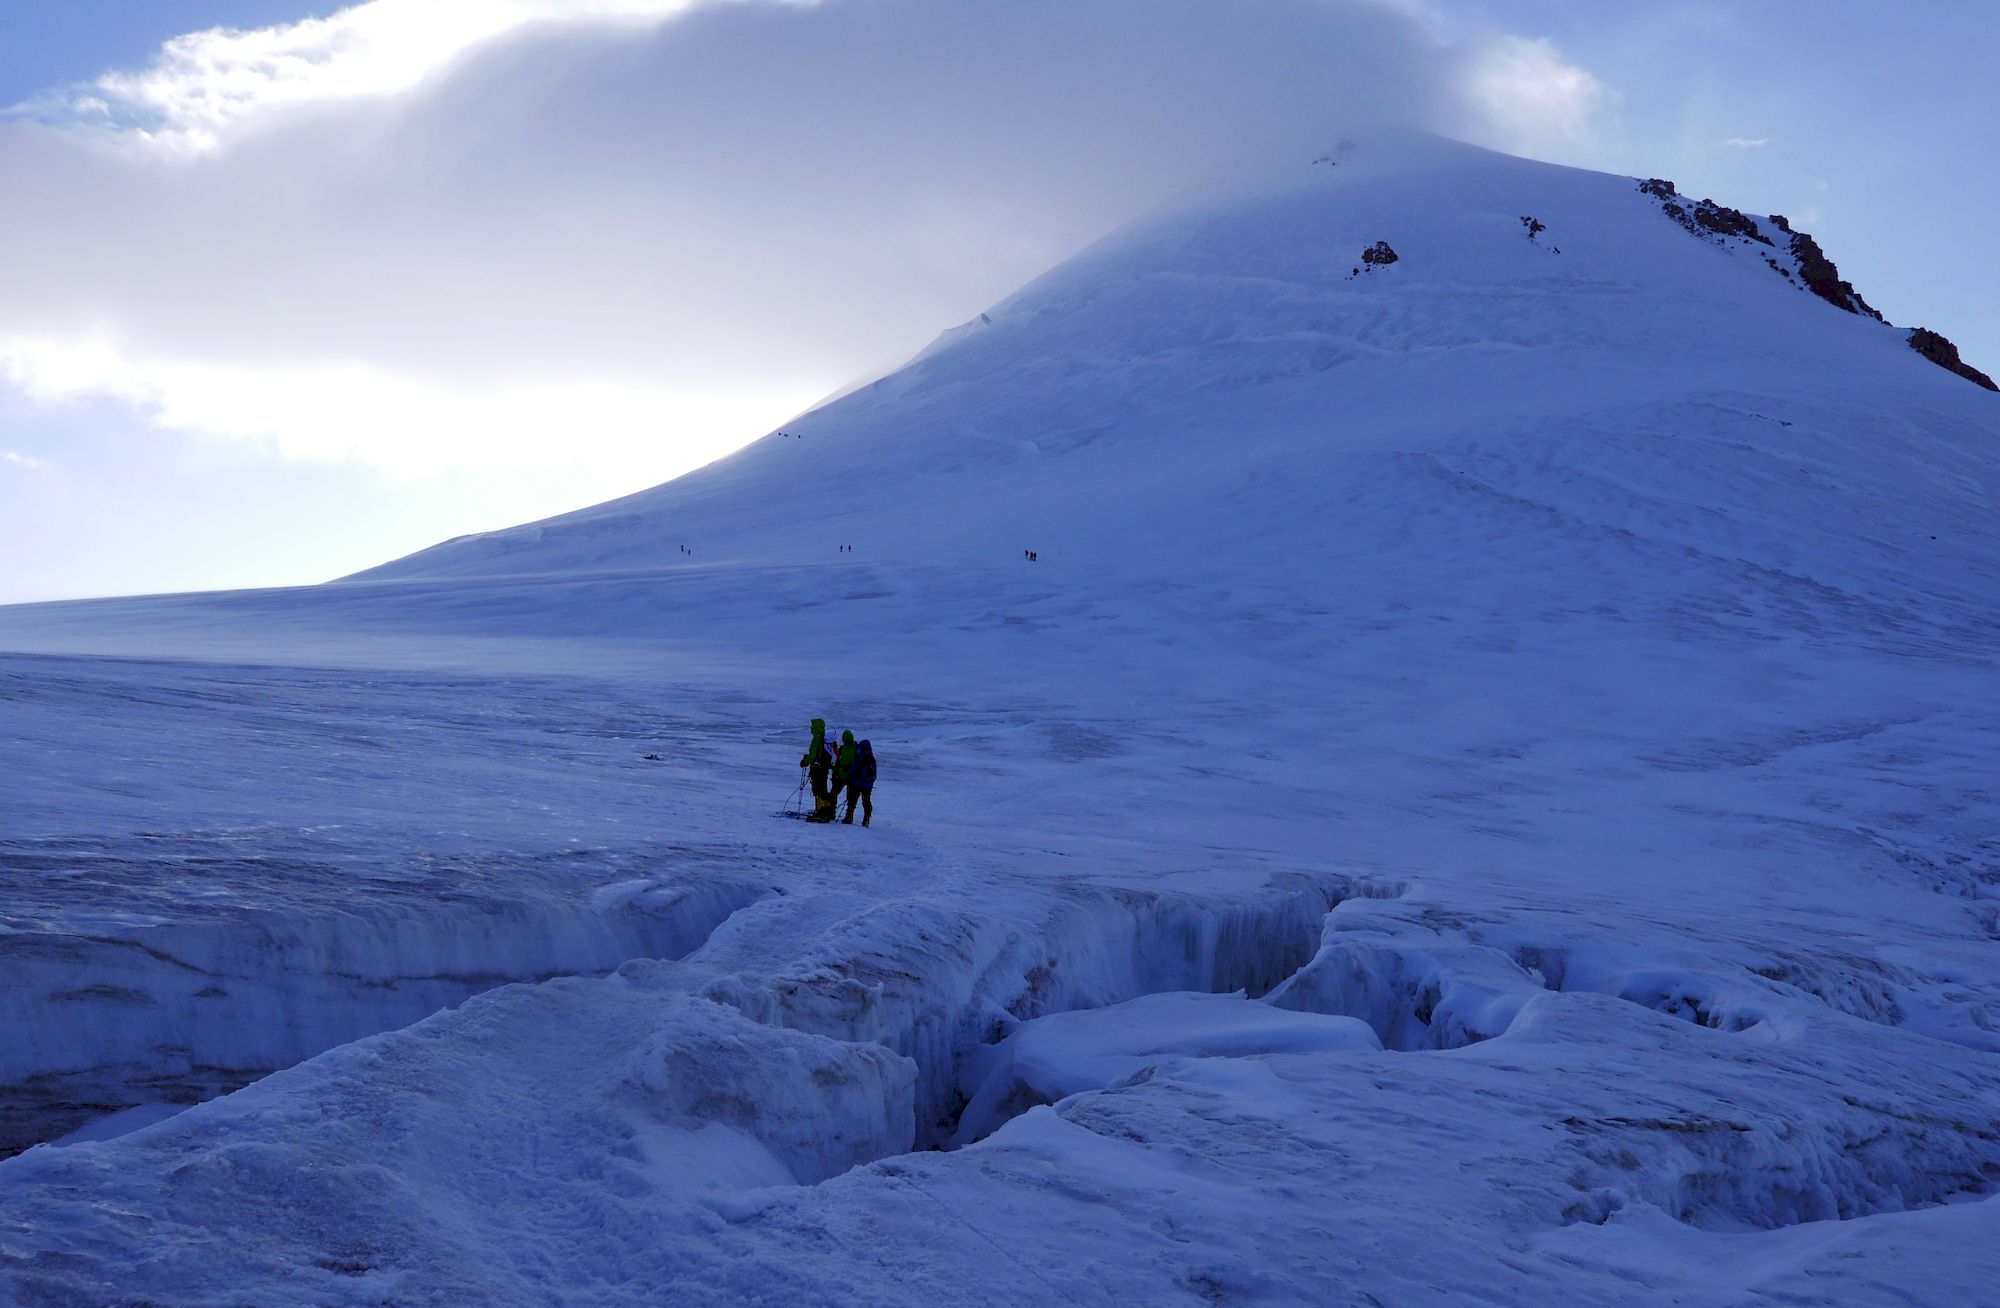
(1110, 410)
(1484, 793)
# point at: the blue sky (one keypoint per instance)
(285, 304)
(1879, 129)
(45, 43)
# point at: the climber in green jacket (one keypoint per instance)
(843, 771)
(819, 760)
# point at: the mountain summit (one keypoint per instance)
(1110, 407)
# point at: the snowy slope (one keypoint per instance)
(1486, 795)
(1132, 401)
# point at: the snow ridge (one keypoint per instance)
(1801, 261)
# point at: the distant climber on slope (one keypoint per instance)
(820, 761)
(843, 770)
(862, 784)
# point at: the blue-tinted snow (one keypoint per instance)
(1573, 673)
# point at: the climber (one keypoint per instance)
(819, 761)
(843, 771)
(862, 784)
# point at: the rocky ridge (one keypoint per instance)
(1800, 260)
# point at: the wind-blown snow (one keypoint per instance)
(1486, 796)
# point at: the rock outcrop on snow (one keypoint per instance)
(1808, 265)
(1945, 355)
(1820, 274)
(1703, 218)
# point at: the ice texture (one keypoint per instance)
(1485, 795)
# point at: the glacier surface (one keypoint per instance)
(1486, 795)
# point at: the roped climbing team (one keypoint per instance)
(851, 767)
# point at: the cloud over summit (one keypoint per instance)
(509, 234)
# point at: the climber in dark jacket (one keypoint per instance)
(819, 760)
(862, 784)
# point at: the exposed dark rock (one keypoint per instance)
(1535, 226)
(1724, 221)
(1823, 279)
(1379, 254)
(1945, 355)
(1705, 218)
(1711, 221)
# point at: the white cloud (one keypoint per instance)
(205, 85)
(424, 231)
(21, 460)
(1747, 142)
(1526, 94)
(494, 259)
(503, 235)
(351, 411)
